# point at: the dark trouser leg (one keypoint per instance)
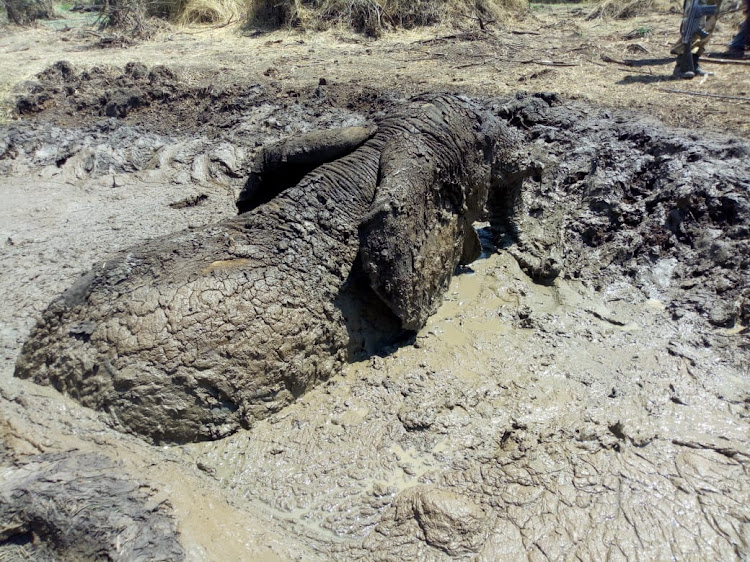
(740, 41)
(685, 68)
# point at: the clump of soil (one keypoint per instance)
(168, 102)
(158, 94)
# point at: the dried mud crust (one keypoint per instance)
(64, 95)
(166, 101)
(156, 123)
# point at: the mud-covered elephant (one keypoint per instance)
(191, 336)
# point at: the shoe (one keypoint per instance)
(685, 68)
(683, 74)
(698, 70)
(734, 53)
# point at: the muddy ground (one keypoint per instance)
(602, 415)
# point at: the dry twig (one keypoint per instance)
(725, 61)
(546, 62)
(703, 94)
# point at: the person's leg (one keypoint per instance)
(688, 58)
(740, 41)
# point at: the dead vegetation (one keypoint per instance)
(617, 9)
(129, 16)
(140, 18)
(210, 11)
(23, 12)
(372, 17)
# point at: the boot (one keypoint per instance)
(741, 41)
(697, 68)
(685, 68)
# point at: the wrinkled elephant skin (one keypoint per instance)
(194, 335)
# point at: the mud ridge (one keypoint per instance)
(617, 197)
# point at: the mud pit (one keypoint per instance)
(602, 414)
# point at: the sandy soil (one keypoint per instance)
(525, 55)
(583, 419)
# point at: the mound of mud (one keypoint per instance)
(613, 196)
(62, 92)
(152, 122)
(164, 100)
(83, 507)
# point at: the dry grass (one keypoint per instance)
(24, 12)
(141, 18)
(212, 11)
(618, 9)
(372, 17)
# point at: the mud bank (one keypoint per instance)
(600, 414)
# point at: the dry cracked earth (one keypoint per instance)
(601, 415)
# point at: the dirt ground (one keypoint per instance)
(603, 415)
(524, 55)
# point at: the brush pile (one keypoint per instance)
(617, 9)
(372, 17)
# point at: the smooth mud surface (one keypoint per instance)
(603, 415)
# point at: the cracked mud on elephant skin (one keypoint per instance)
(194, 335)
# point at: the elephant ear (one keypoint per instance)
(420, 224)
(281, 165)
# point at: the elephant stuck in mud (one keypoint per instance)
(192, 336)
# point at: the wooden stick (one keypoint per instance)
(434, 39)
(449, 37)
(530, 61)
(725, 61)
(702, 94)
(605, 58)
(545, 62)
(480, 63)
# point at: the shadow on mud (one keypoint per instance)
(643, 79)
(372, 328)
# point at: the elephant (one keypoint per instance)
(195, 335)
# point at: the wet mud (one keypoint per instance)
(82, 506)
(600, 412)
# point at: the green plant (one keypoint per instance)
(643, 30)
